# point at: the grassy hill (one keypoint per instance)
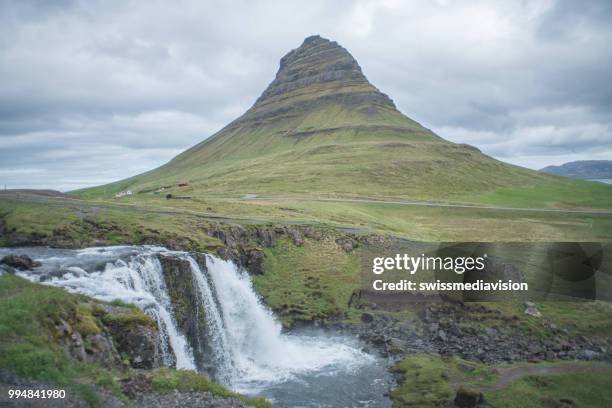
(321, 129)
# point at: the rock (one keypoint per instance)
(367, 318)
(310, 232)
(441, 335)
(136, 385)
(490, 331)
(531, 310)
(186, 400)
(180, 285)
(265, 237)
(21, 262)
(253, 261)
(467, 398)
(136, 340)
(589, 354)
(347, 244)
(7, 269)
(296, 236)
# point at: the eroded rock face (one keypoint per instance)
(134, 335)
(183, 295)
(91, 347)
(319, 71)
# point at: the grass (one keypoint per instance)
(76, 224)
(142, 219)
(429, 380)
(28, 338)
(583, 390)
(166, 380)
(311, 282)
(29, 344)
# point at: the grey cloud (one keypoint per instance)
(105, 89)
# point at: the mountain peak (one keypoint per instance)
(319, 67)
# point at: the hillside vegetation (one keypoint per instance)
(321, 129)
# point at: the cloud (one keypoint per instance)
(95, 91)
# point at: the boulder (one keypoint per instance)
(21, 262)
(347, 244)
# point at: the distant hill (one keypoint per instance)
(583, 169)
(322, 129)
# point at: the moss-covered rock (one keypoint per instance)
(184, 295)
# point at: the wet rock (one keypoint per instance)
(134, 338)
(588, 354)
(7, 269)
(467, 398)
(367, 318)
(21, 262)
(253, 261)
(183, 293)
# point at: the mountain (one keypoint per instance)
(583, 169)
(322, 129)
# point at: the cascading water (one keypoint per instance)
(119, 273)
(253, 352)
(247, 350)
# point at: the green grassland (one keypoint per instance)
(428, 380)
(29, 346)
(138, 219)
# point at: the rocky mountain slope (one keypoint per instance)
(583, 169)
(321, 128)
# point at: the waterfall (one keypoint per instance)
(247, 339)
(133, 276)
(246, 348)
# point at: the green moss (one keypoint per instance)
(127, 320)
(426, 380)
(166, 380)
(86, 322)
(429, 380)
(121, 303)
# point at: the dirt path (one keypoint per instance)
(432, 204)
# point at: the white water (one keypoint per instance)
(249, 352)
(255, 351)
(138, 280)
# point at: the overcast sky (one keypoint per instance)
(95, 91)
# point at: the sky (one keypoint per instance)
(95, 91)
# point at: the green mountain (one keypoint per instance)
(583, 169)
(322, 129)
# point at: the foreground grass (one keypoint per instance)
(29, 345)
(428, 380)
